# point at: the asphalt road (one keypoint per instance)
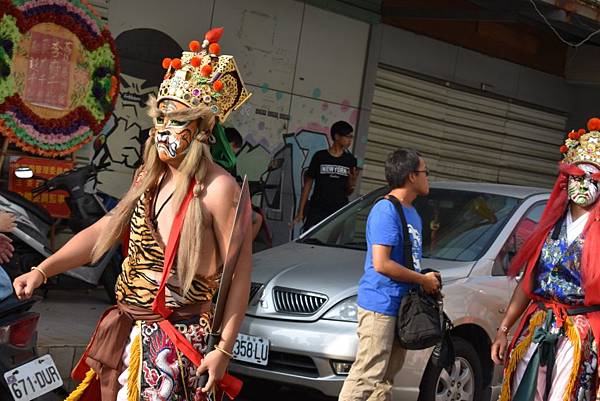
(255, 390)
(68, 318)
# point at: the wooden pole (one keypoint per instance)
(5, 143)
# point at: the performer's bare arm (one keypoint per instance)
(306, 188)
(223, 215)
(516, 307)
(77, 252)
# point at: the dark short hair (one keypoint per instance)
(234, 136)
(341, 128)
(399, 164)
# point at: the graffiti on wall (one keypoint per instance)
(122, 139)
(273, 123)
(296, 148)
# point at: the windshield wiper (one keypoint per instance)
(313, 241)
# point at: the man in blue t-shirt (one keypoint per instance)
(386, 280)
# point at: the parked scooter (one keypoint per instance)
(263, 187)
(31, 236)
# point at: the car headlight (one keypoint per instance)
(346, 311)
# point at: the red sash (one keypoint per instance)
(228, 384)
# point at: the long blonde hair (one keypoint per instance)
(193, 166)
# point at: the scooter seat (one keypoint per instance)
(12, 305)
(34, 208)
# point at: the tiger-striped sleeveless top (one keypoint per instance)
(142, 269)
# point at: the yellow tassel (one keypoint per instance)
(573, 336)
(78, 392)
(518, 353)
(135, 357)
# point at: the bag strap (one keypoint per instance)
(406, 243)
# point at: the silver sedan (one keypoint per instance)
(300, 326)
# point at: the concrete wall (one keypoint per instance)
(578, 94)
(585, 106)
(445, 61)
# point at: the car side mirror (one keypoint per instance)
(511, 251)
(505, 256)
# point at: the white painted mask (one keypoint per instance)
(583, 190)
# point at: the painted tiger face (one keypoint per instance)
(173, 137)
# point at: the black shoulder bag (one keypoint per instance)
(421, 321)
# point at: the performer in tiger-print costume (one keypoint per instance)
(178, 214)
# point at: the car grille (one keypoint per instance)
(287, 363)
(289, 300)
(254, 288)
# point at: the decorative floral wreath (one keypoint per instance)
(91, 65)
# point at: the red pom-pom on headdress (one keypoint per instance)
(195, 61)
(194, 45)
(176, 63)
(581, 131)
(218, 85)
(206, 70)
(166, 63)
(214, 48)
(214, 35)
(594, 124)
(564, 149)
(573, 135)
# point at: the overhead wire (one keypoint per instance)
(576, 45)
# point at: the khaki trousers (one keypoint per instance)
(378, 359)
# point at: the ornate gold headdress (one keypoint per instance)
(204, 77)
(583, 147)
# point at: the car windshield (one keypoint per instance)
(457, 225)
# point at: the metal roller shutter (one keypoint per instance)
(464, 136)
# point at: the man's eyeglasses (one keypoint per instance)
(423, 171)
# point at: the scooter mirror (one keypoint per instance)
(23, 172)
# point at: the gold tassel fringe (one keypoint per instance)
(78, 392)
(518, 353)
(573, 336)
(520, 350)
(133, 380)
